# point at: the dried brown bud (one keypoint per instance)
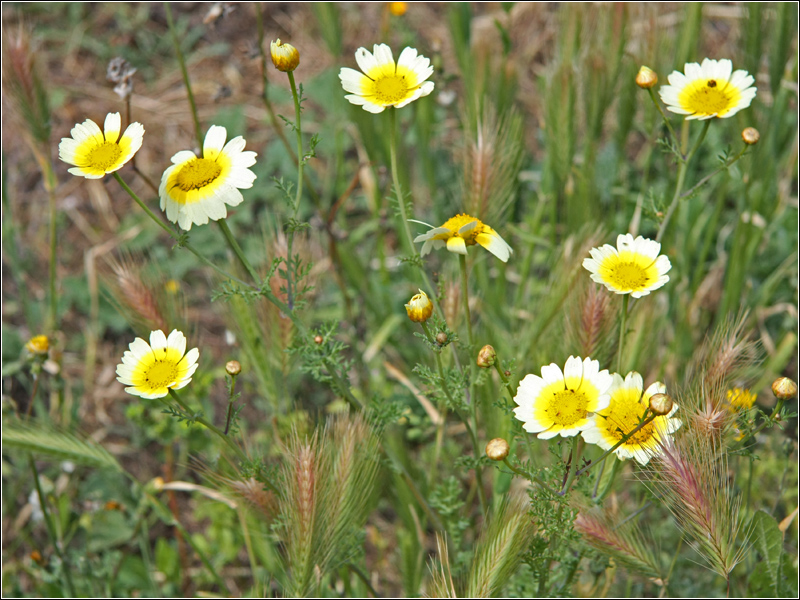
(486, 357)
(784, 388)
(750, 136)
(318, 339)
(661, 404)
(36, 557)
(441, 338)
(497, 449)
(233, 368)
(646, 78)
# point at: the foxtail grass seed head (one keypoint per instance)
(497, 449)
(419, 308)
(398, 9)
(384, 83)
(486, 357)
(708, 90)
(96, 153)
(38, 345)
(285, 57)
(646, 78)
(461, 231)
(784, 388)
(750, 136)
(661, 404)
(233, 368)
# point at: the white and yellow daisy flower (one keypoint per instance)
(634, 267)
(95, 153)
(562, 403)
(461, 231)
(194, 190)
(624, 414)
(386, 83)
(712, 89)
(151, 370)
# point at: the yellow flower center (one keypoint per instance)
(161, 374)
(104, 156)
(567, 407)
(624, 418)
(709, 97)
(197, 173)
(391, 89)
(628, 276)
(456, 223)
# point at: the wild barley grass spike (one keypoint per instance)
(60, 445)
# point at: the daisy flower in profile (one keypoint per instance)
(712, 89)
(462, 231)
(386, 83)
(634, 267)
(562, 403)
(95, 153)
(151, 370)
(194, 190)
(623, 415)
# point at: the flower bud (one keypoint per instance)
(233, 368)
(486, 357)
(784, 388)
(419, 308)
(38, 345)
(318, 339)
(497, 449)
(285, 57)
(646, 78)
(441, 338)
(660, 404)
(750, 136)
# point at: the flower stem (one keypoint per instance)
(51, 529)
(237, 250)
(50, 184)
(176, 236)
(663, 115)
(300, 164)
(622, 322)
(182, 63)
(646, 421)
(682, 168)
(532, 478)
(577, 452)
(465, 284)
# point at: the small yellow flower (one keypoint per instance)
(172, 286)
(419, 308)
(95, 153)
(38, 345)
(194, 190)
(398, 9)
(462, 231)
(624, 414)
(712, 89)
(740, 399)
(151, 370)
(285, 57)
(385, 83)
(562, 403)
(634, 267)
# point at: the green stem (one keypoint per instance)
(178, 237)
(682, 168)
(237, 250)
(50, 184)
(300, 164)
(176, 42)
(530, 477)
(577, 452)
(646, 421)
(708, 177)
(462, 260)
(622, 322)
(663, 115)
(231, 400)
(51, 529)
